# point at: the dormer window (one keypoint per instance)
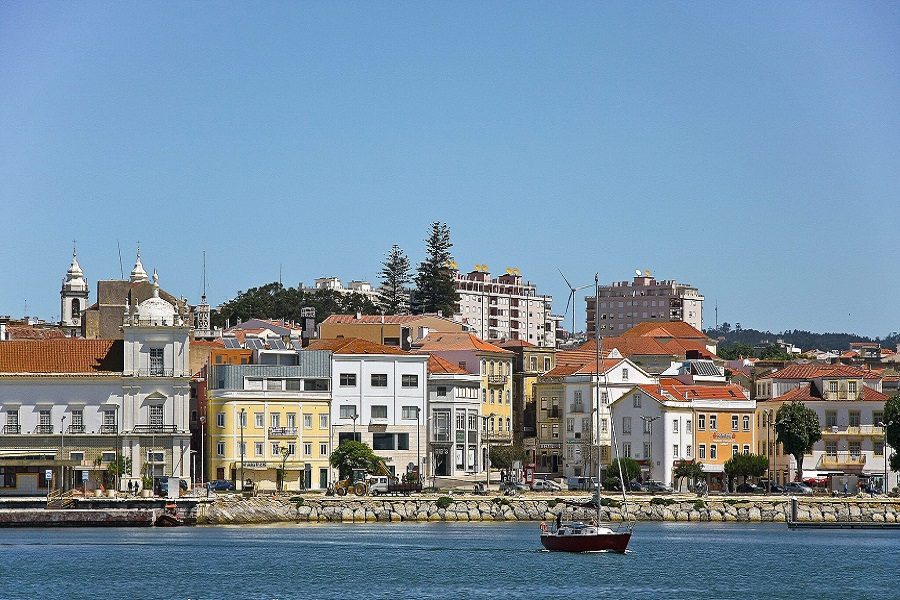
(851, 387)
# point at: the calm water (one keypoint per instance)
(668, 561)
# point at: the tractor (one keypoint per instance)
(356, 484)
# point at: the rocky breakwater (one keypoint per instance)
(236, 510)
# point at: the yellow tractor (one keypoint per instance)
(356, 484)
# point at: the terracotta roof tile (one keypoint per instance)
(438, 341)
(808, 393)
(377, 319)
(436, 364)
(814, 371)
(354, 346)
(62, 356)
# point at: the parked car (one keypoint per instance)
(220, 485)
(777, 488)
(545, 485)
(583, 483)
(799, 488)
(637, 486)
(658, 487)
(750, 488)
(513, 486)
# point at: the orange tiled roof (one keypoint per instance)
(813, 371)
(585, 368)
(377, 319)
(674, 329)
(515, 344)
(729, 391)
(808, 393)
(436, 364)
(438, 341)
(30, 332)
(354, 346)
(62, 357)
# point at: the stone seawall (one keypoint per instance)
(235, 510)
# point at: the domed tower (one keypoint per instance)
(138, 274)
(73, 298)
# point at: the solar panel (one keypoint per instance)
(255, 343)
(297, 344)
(231, 343)
(276, 344)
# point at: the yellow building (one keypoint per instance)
(494, 365)
(265, 418)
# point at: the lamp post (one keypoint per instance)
(770, 447)
(418, 447)
(202, 446)
(487, 461)
(285, 452)
(884, 427)
(242, 449)
(62, 451)
(118, 453)
(355, 417)
(649, 423)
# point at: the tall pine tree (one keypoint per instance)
(396, 274)
(436, 287)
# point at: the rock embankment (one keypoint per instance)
(236, 510)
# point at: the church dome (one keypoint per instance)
(155, 310)
(138, 273)
(75, 280)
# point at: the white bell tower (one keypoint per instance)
(73, 298)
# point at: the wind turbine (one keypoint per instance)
(571, 301)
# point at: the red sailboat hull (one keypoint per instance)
(603, 542)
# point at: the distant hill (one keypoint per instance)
(805, 340)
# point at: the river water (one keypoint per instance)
(444, 560)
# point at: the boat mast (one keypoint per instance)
(597, 391)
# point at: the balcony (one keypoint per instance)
(853, 431)
(283, 432)
(496, 379)
(109, 429)
(43, 429)
(154, 373)
(12, 429)
(154, 428)
(553, 413)
(496, 436)
(440, 437)
(577, 408)
(842, 460)
(75, 429)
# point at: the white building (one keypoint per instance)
(625, 304)
(505, 308)
(356, 286)
(379, 397)
(454, 404)
(71, 405)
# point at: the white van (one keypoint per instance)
(545, 485)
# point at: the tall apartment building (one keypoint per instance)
(505, 308)
(626, 304)
(364, 288)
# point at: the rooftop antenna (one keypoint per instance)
(203, 297)
(717, 315)
(121, 268)
(279, 273)
(571, 300)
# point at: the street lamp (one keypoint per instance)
(285, 452)
(62, 451)
(487, 441)
(242, 449)
(355, 417)
(649, 422)
(418, 447)
(884, 427)
(202, 446)
(118, 453)
(770, 447)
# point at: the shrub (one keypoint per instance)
(552, 503)
(444, 501)
(297, 500)
(610, 502)
(499, 501)
(699, 504)
(662, 501)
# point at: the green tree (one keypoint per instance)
(631, 469)
(746, 465)
(797, 428)
(503, 457)
(435, 285)
(892, 420)
(734, 351)
(692, 471)
(119, 467)
(396, 275)
(353, 455)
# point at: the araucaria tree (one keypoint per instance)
(892, 420)
(797, 428)
(436, 288)
(396, 274)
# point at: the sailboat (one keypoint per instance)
(592, 537)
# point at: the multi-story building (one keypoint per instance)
(663, 425)
(626, 304)
(656, 346)
(850, 405)
(454, 404)
(403, 331)
(505, 308)
(71, 406)
(493, 366)
(334, 284)
(379, 396)
(529, 363)
(269, 425)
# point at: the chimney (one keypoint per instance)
(358, 315)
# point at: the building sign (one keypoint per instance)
(551, 446)
(48, 474)
(723, 437)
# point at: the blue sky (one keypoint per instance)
(750, 149)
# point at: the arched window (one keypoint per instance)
(76, 307)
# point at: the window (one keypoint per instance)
(648, 425)
(220, 418)
(713, 452)
(854, 418)
(442, 390)
(735, 450)
(604, 398)
(851, 387)
(315, 385)
(688, 451)
(410, 412)
(409, 381)
(220, 448)
(713, 422)
(675, 426)
(508, 424)
(293, 385)
(675, 452)
(379, 411)
(701, 451)
(259, 420)
(585, 424)
(274, 385)
(323, 449)
(855, 449)
(637, 400)
(276, 419)
(507, 396)
(379, 380)
(258, 449)
(276, 451)
(348, 411)
(348, 380)
(830, 418)
(483, 396)
(687, 425)
(833, 387)
(746, 422)
(604, 425)
(647, 450)
(879, 448)
(746, 449)
(77, 419)
(701, 422)
(877, 417)
(12, 418)
(546, 363)
(77, 457)
(307, 421)
(578, 402)
(734, 422)
(156, 361)
(626, 449)
(323, 421)
(570, 424)
(383, 441)
(626, 424)
(831, 448)
(492, 396)
(307, 449)
(156, 416)
(291, 449)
